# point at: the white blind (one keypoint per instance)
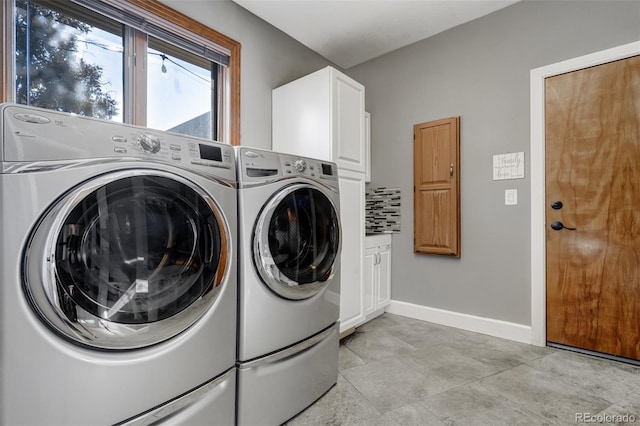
(142, 20)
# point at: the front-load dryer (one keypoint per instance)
(289, 284)
(117, 273)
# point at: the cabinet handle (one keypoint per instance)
(451, 170)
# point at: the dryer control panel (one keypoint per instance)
(260, 165)
(306, 167)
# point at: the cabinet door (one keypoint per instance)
(348, 119)
(370, 280)
(301, 117)
(367, 147)
(352, 257)
(383, 293)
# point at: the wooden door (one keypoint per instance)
(436, 187)
(592, 132)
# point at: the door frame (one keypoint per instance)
(538, 173)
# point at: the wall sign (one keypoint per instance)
(508, 166)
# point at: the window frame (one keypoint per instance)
(229, 77)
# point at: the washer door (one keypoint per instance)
(127, 260)
(297, 242)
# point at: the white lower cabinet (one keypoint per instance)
(377, 275)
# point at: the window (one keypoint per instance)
(116, 60)
(181, 91)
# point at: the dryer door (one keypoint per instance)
(297, 242)
(127, 260)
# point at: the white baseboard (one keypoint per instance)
(492, 327)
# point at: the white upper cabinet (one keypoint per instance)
(321, 115)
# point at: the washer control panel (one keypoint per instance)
(36, 134)
(173, 148)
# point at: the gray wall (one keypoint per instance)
(269, 58)
(479, 71)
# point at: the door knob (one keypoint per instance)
(556, 205)
(557, 226)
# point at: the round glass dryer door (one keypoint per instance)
(297, 242)
(130, 260)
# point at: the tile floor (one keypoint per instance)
(400, 371)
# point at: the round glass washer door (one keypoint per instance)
(127, 260)
(297, 242)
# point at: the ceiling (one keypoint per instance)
(349, 32)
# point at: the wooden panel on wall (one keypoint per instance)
(436, 156)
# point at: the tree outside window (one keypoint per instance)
(55, 68)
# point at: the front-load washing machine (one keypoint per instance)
(289, 284)
(117, 273)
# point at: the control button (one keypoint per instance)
(149, 143)
(175, 156)
(119, 139)
(288, 171)
(287, 163)
(174, 147)
(192, 146)
(194, 154)
(32, 118)
(300, 165)
(120, 150)
(251, 154)
(197, 163)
